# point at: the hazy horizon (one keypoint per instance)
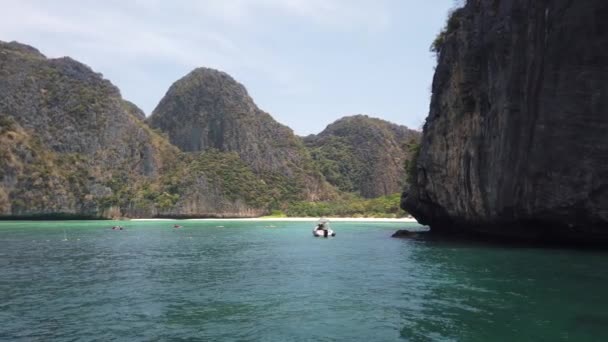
(306, 62)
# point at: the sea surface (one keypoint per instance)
(273, 281)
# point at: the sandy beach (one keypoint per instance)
(295, 219)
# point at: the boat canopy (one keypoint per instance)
(323, 221)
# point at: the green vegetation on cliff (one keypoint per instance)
(35, 180)
(363, 155)
(349, 206)
(452, 25)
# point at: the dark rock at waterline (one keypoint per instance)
(404, 233)
(515, 144)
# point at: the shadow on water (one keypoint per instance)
(466, 240)
(485, 290)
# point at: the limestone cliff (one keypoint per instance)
(207, 109)
(515, 143)
(364, 155)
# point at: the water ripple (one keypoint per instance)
(246, 282)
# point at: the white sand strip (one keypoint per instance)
(299, 219)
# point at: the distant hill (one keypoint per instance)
(208, 110)
(363, 155)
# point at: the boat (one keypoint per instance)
(322, 229)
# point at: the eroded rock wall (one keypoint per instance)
(515, 142)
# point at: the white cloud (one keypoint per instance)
(189, 32)
(333, 14)
(119, 36)
(103, 29)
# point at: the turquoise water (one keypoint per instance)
(247, 282)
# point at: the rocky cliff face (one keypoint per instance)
(515, 142)
(208, 110)
(70, 145)
(66, 131)
(364, 155)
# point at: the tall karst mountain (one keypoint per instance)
(69, 144)
(515, 143)
(208, 110)
(66, 132)
(364, 155)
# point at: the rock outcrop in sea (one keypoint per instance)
(515, 143)
(364, 155)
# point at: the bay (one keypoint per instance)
(273, 281)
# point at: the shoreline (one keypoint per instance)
(293, 219)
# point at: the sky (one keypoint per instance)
(306, 62)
